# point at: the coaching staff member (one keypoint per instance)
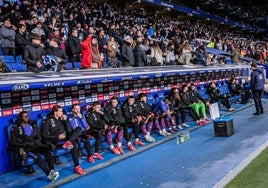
(257, 80)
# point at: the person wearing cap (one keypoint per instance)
(128, 59)
(257, 80)
(91, 56)
(7, 36)
(33, 55)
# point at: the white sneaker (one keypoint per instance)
(166, 133)
(52, 176)
(179, 127)
(162, 133)
(149, 139)
(184, 125)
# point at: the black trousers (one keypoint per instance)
(225, 101)
(135, 127)
(98, 136)
(191, 111)
(257, 100)
(36, 153)
(73, 137)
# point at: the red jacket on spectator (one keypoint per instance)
(87, 54)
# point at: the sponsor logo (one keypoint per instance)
(5, 95)
(45, 107)
(17, 111)
(26, 104)
(84, 81)
(7, 112)
(68, 103)
(6, 101)
(36, 108)
(81, 92)
(74, 88)
(54, 84)
(35, 92)
(20, 87)
(24, 99)
(60, 89)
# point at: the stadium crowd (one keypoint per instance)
(105, 35)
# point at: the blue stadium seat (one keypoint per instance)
(19, 67)
(1, 50)
(77, 65)
(68, 66)
(19, 59)
(8, 59)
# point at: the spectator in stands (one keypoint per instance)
(21, 40)
(156, 55)
(139, 54)
(145, 110)
(133, 120)
(38, 30)
(186, 55)
(7, 36)
(236, 89)
(235, 54)
(170, 56)
(78, 121)
(73, 46)
(128, 59)
(34, 54)
(215, 96)
(222, 60)
(103, 42)
(26, 136)
(91, 56)
(201, 54)
(257, 81)
(3, 67)
(55, 129)
(112, 51)
(95, 119)
(116, 122)
(54, 50)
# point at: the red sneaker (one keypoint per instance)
(67, 145)
(115, 151)
(131, 147)
(79, 170)
(201, 123)
(119, 148)
(91, 159)
(97, 156)
(139, 143)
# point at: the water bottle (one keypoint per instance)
(177, 140)
(185, 136)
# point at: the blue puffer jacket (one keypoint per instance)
(257, 79)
